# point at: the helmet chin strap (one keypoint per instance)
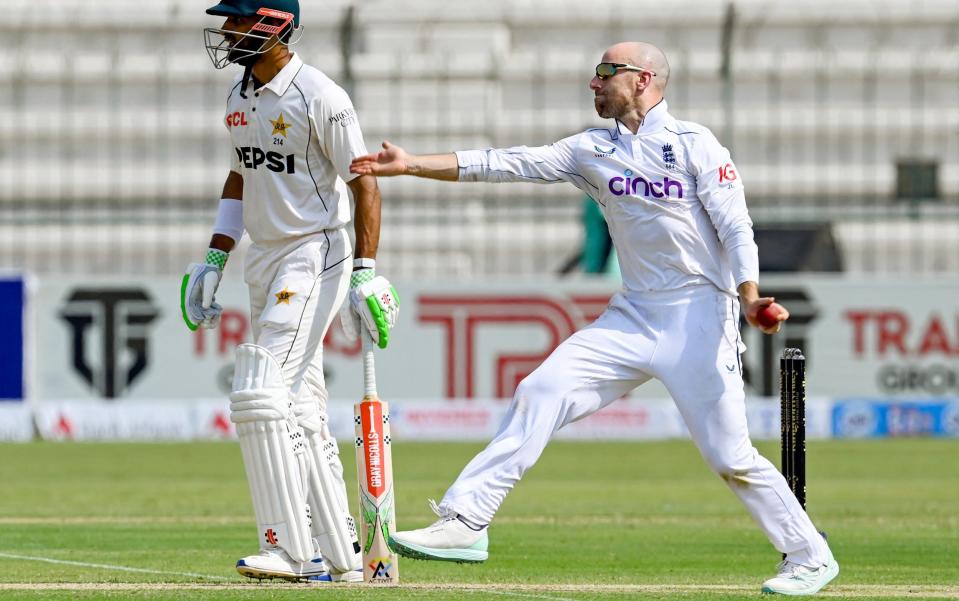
(247, 73)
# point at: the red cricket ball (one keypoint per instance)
(768, 316)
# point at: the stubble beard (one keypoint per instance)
(609, 108)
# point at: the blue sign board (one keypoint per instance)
(876, 418)
(13, 298)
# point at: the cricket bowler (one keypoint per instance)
(677, 215)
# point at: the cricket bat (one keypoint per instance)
(374, 475)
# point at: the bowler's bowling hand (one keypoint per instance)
(766, 314)
(392, 160)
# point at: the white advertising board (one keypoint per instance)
(125, 340)
(16, 422)
(412, 420)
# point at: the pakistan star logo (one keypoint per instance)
(284, 296)
(279, 126)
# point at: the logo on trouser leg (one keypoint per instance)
(271, 536)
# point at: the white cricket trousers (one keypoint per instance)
(689, 340)
(296, 288)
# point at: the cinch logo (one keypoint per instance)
(121, 317)
(236, 119)
(252, 157)
(630, 186)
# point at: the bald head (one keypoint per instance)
(641, 54)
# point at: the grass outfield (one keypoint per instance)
(590, 521)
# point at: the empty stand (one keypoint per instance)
(113, 108)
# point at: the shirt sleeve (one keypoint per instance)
(338, 129)
(235, 161)
(227, 123)
(541, 165)
(720, 189)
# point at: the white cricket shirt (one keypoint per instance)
(670, 193)
(293, 141)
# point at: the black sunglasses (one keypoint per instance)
(606, 70)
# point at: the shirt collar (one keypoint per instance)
(654, 121)
(282, 80)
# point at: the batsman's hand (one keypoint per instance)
(198, 291)
(372, 301)
(393, 160)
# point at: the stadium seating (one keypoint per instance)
(113, 104)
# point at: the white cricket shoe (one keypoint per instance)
(351, 576)
(276, 563)
(447, 539)
(794, 579)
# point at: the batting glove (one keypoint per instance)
(373, 301)
(198, 288)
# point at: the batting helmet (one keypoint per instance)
(279, 19)
(249, 8)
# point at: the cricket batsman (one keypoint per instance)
(293, 133)
(677, 215)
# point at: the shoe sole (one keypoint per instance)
(831, 574)
(455, 555)
(256, 574)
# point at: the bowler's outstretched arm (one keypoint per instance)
(393, 160)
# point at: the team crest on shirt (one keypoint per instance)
(279, 129)
(284, 296)
(669, 158)
(280, 126)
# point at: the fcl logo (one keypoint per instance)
(113, 324)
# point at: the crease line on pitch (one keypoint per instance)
(104, 566)
(515, 594)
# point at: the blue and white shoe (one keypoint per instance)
(351, 576)
(276, 563)
(794, 579)
(447, 539)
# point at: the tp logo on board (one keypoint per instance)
(109, 339)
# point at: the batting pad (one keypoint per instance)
(333, 526)
(273, 452)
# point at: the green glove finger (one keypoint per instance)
(374, 306)
(186, 317)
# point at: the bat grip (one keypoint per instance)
(369, 367)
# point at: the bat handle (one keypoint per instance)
(369, 367)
